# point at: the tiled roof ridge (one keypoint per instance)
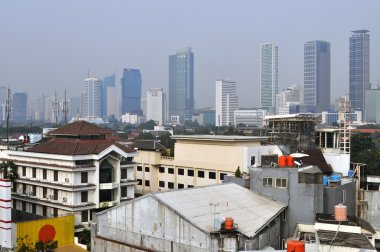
(76, 146)
(80, 127)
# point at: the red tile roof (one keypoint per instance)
(66, 146)
(80, 128)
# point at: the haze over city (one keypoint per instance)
(49, 46)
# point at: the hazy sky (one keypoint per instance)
(50, 45)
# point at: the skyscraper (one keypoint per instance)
(91, 97)
(317, 75)
(19, 104)
(155, 98)
(108, 81)
(359, 69)
(131, 91)
(181, 84)
(268, 75)
(226, 102)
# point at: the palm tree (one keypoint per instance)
(8, 170)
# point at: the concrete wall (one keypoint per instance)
(372, 215)
(332, 196)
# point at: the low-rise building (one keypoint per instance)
(77, 171)
(250, 117)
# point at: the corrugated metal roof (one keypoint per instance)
(249, 210)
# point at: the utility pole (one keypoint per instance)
(65, 108)
(8, 109)
(56, 109)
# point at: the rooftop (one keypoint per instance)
(342, 239)
(220, 138)
(80, 128)
(147, 145)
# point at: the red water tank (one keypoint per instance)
(290, 161)
(228, 223)
(282, 161)
(295, 246)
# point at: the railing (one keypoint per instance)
(167, 158)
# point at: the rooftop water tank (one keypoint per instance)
(282, 161)
(340, 212)
(295, 246)
(290, 161)
(228, 223)
(335, 178)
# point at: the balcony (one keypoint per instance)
(108, 186)
(127, 181)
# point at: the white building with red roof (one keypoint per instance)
(76, 172)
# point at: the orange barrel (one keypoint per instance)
(295, 246)
(228, 223)
(340, 212)
(290, 161)
(282, 161)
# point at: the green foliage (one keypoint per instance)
(9, 170)
(149, 125)
(84, 237)
(24, 245)
(364, 150)
(238, 172)
(49, 246)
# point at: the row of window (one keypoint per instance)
(190, 172)
(275, 182)
(84, 175)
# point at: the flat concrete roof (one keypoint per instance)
(219, 138)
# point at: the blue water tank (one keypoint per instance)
(351, 173)
(335, 178)
(325, 180)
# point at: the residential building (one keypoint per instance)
(317, 75)
(108, 82)
(226, 102)
(250, 117)
(77, 171)
(268, 75)
(156, 102)
(191, 220)
(181, 84)
(131, 91)
(198, 160)
(19, 105)
(332, 117)
(359, 69)
(92, 97)
(372, 106)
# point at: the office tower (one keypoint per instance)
(317, 75)
(181, 84)
(359, 69)
(372, 109)
(155, 99)
(113, 102)
(268, 75)
(3, 101)
(131, 91)
(226, 102)
(91, 97)
(19, 105)
(288, 97)
(39, 108)
(74, 108)
(108, 82)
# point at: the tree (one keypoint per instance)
(24, 244)
(364, 150)
(9, 171)
(149, 125)
(46, 246)
(238, 172)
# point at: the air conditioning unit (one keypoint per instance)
(67, 180)
(64, 199)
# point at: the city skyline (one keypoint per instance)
(53, 60)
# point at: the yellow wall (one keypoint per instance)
(64, 229)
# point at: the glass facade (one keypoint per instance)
(131, 92)
(317, 75)
(359, 69)
(181, 84)
(268, 75)
(19, 107)
(108, 81)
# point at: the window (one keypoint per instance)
(124, 192)
(124, 174)
(55, 175)
(24, 171)
(221, 176)
(162, 169)
(139, 168)
(84, 196)
(55, 212)
(44, 192)
(170, 185)
(161, 184)
(171, 170)
(44, 211)
(190, 173)
(181, 171)
(281, 183)
(23, 206)
(252, 160)
(55, 194)
(34, 190)
(83, 177)
(180, 186)
(84, 216)
(147, 183)
(190, 186)
(147, 169)
(212, 175)
(34, 172)
(34, 208)
(44, 174)
(267, 182)
(201, 174)
(83, 162)
(268, 159)
(23, 188)
(139, 182)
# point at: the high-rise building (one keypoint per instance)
(3, 101)
(372, 109)
(39, 108)
(131, 91)
(74, 108)
(359, 69)
(113, 109)
(226, 102)
(181, 84)
(92, 97)
(317, 75)
(19, 105)
(290, 96)
(108, 81)
(155, 98)
(268, 75)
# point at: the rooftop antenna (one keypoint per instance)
(56, 109)
(215, 205)
(65, 108)
(8, 109)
